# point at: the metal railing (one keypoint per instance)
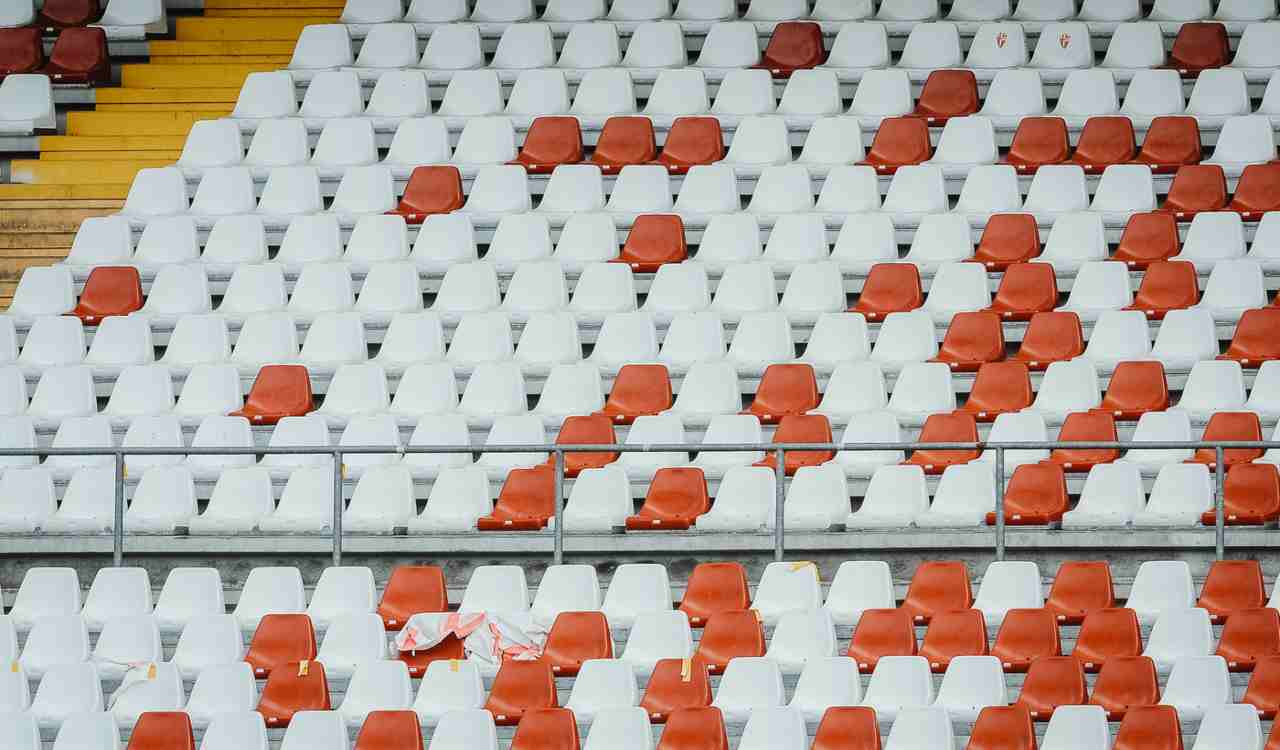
(557, 459)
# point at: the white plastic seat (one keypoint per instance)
(1057, 189)
(1233, 287)
(524, 46)
(1227, 726)
(759, 140)
(626, 338)
(965, 495)
(465, 730)
(485, 140)
(905, 338)
(1014, 93)
(549, 339)
(451, 46)
(639, 10)
(459, 497)
(425, 389)
(90, 730)
(901, 685)
(655, 636)
(817, 499)
(322, 46)
(45, 592)
(587, 240)
(265, 338)
(678, 92)
(88, 505)
(1008, 585)
(932, 45)
(27, 500)
(356, 389)
(164, 499)
(223, 191)
(28, 104)
(101, 241)
(1015, 427)
(966, 142)
(383, 499)
(121, 340)
(417, 140)
(642, 188)
(745, 288)
(813, 94)
(536, 287)
(744, 92)
(447, 687)
(240, 729)
(234, 240)
(712, 188)
(322, 730)
(970, 684)
(330, 94)
(1063, 45)
(154, 431)
(1255, 49)
(254, 289)
(495, 389)
(1213, 386)
(521, 429)
(600, 500)
(710, 390)
(895, 495)
(411, 338)
(308, 431)
(53, 341)
(80, 432)
(221, 688)
(341, 591)
(590, 45)
(140, 390)
(376, 686)
(859, 585)
(188, 593)
(636, 589)
(996, 46)
(575, 190)
(922, 389)
(1160, 585)
(864, 239)
(881, 94)
(500, 589)
(19, 730)
(210, 392)
(1077, 728)
(211, 143)
(749, 684)
(290, 192)
(467, 288)
(125, 641)
(1112, 496)
(350, 642)
(54, 641)
(1180, 495)
(363, 190)
(570, 389)
(625, 728)
(472, 93)
(1099, 286)
(157, 191)
(1118, 336)
(278, 142)
(167, 240)
(802, 636)
(747, 496)
(268, 591)
(602, 685)
(729, 45)
(653, 429)
(498, 190)
(1213, 236)
(916, 189)
(1085, 94)
(1074, 240)
(1167, 426)
(1264, 396)
(1180, 634)
(66, 690)
(957, 287)
(1220, 96)
(566, 588)
(853, 389)
(240, 499)
(1244, 141)
(832, 142)
(824, 683)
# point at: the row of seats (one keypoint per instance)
(53, 15)
(79, 55)
(121, 19)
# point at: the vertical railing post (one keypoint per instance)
(999, 503)
(557, 555)
(338, 472)
(117, 549)
(1219, 520)
(779, 533)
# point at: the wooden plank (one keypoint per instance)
(111, 172)
(136, 123)
(19, 195)
(122, 96)
(189, 76)
(235, 29)
(57, 144)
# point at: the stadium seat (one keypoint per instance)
(1179, 634)
(826, 683)
(603, 684)
(1008, 240)
(691, 141)
(1124, 683)
(749, 685)
(1150, 726)
(123, 641)
(390, 729)
(1135, 389)
(1038, 141)
(66, 690)
(1026, 291)
(793, 46)
(293, 688)
(946, 94)
(899, 141)
(1251, 496)
(1261, 692)
(728, 635)
(945, 428)
(1076, 239)
(162, 729)
(1233, 287)
(1252, 196)
(1196, 188)
(520, 686)
(895, 496)
(898, 685)
(1085, 427)
(881, 633)
(1112, 496)
(999, 388)
(431, 190)
(1231, 585)
(1180, 495)
(1251, 346)
(656, 636)
(79, 56)
(278, 392)
(1250, 637)
(280, 639)
(1226, 425)
(1024, 636)
(448, 685)
(1199, 47)
(1052, 682)
(1166, 286)
(1160, 426)
(109, 291)
(952, 634)
(800, 637)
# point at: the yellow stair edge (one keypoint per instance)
(203, 95)
(62, 196)
(162, 155)
(335, 5)
(51, 144)
(237, 29)
(190, 76)
(136, 123)
(277, 13)
(107, 172)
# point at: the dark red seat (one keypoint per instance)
(543, 729)
(694, 729)
(1026, 289)
(1148, 238)
(1104, 141)
(1026, 635)
(899, 142)
(280, 639)
(79, 56)
(1051, 337)
(947, 94)
(999, 388)
(1135, 389)
(1008, 239)
(1036, 495)
(581, 430)
(889, 288)
(1080, 587)
(1255, 340)
(847, 728)
(1167, 285)
(715, 587)
(973, 340)
(1038, 141)
(1107, 634)
(109, 290)
(1171, 142)
(1250, 496)
(60, 14)
(1086, 427)
(1231, 585)
(519, 687)
(939, 586)
(431, 190)
(676, 684)
(1263, 692)
(691, 141)
(1003, 728)
(574, 638)
(1196, 188)
(21, 50)
(624, 141)
(794, 45)
(956, 427)
(293, 687)
(1199, 46)
(1226, 426)
(525, 503)
(638, 390)
(550, 142)
(1052, 681)
(1257, 191)
(961, 632)
(162, 730)
(1249, 636)
(410, 590)
(1125, 682)
(730, 635)
(801, 428)
(676, 497)
(654, 239)
(279, 391)
(1150, 728)
(785, 390)
(880, 633)
(392, 730)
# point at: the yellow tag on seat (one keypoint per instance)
(686, 670)
(454, 665)
(304, 667)
(151, 671)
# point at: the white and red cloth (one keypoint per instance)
(488, 638)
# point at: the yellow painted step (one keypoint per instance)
(239, 29)
(221, 49)
(275, 13)
(184, 97)
(189, 76)
(35, 172)
(60, 144)
(17, 196)
(136, 123)
(335, 5)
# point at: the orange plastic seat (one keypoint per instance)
(520, 686)
(1273, 738)
(1104, 141)
(1038, 141)
(1080, 587)
(1231, 585)
(1086, 427)
(947, 94)
(694, 729)
(939, 586)
(1107, 634)
(1171, 142)
(794, 45)
(638, 390)
(1196, 188)
(412, 589)
(1025, 290)
(729, 635)
(956, 427)
(1052, 681)
(550, 142)
(1257, 191)
(880, 633)
(63, 14)
(624, 141)
(1135, 389)
(1024, 636)
(392, 730)
(527, 501)
(109, 290)
(279, 391)
(973, 340)
(1250, 496)
(1230, 425)
(596, 429)
(280, 639)
(999, 388)
(21, 50)
(1003, 728)
(654, 239)
(899, 142)
(715, 587)
(431, 190)
(293, 687)
(1125, 682)
(162, 730)
(1050, 337)
(79, 56)
(1199, 46)
(1149, 728)
(785, 390)
(961, 632)
(574, 638)
(1167, 285)
(676, 684)
(1147, 238)
(676, 497)
(691, 141)
(801, 428)
(1263, 692)
(889, 288)
(450, 649)
(1008, 239)
(545, 729)
(847, 728)
(1249, 636)
(1036, 495)
(1255, 341)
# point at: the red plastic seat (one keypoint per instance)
(1263, 692)
(847, 728)
(1008, 239)
(1003, 728)
(939, 586)
(520, 686)
(583, 430)
(1052, 681)
(973, 340)
(691, 141)
(638, 390)
(1231, 585)
(79, 56)
(21, 50)
(1230, 425)
(729, 635)
(880, 633)
(66, 13)
(785, 390)
(1107, 634)
(1038, 141)
(550, 142)
(1257, 191)
(1255, 341)
(280, 639)
(1125, 682)
(1249, 636)
(1273, 739)
(676, 684)
(961, 632)
(431, 190)
(1080, 587)
(1024, 636)
(574, 638)
(293, 687)
(1149, 728)
(1104, 141)
(1148, 238)
(654, 239)
(1025, 290)
(1086, 427)
(1135, 389)
(676, 497)
(1167, 285)
(899, 142)
(889, 288)
(956, 427)
(527, 501)
(162, 730)
(715, 587)
(450, 649)
(1250, 497)
(544, 729)
(947, 94)
(694, 729)
(1050, 337)
(794, 45)
(410, 590)
(109, 290)
(1036, 495)
(279, 391)
(1199, 46)
(803, 428)
(624, 141)
(999, 388)
(1196, 188)
(393, 730)
(1171, 142)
